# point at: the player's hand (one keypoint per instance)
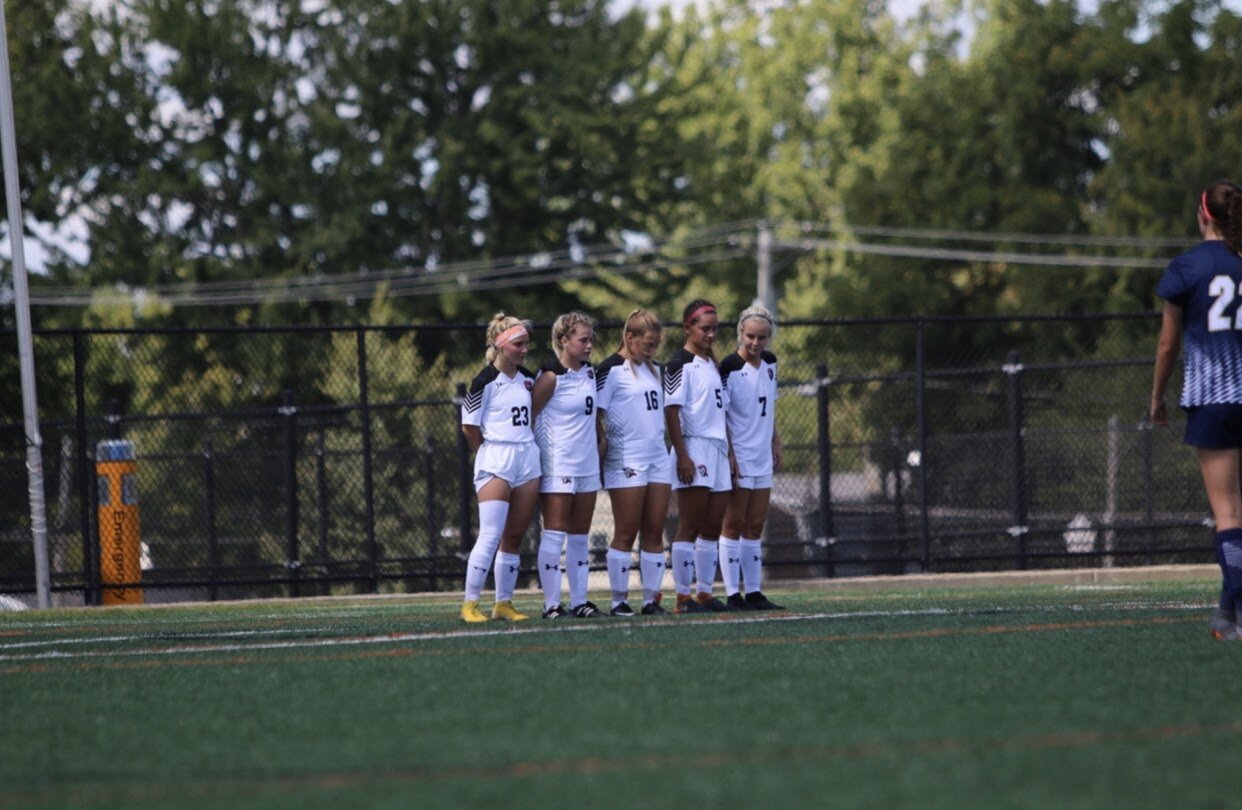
(1159, 413)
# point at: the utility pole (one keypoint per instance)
(25, 340)
(765, 292)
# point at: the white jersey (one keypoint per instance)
(751, 415)
(630, 397)
(565, 428)
(500, 405)
(694, 383)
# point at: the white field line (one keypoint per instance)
(465, 635)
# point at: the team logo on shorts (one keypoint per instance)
(565, 479)
(629, 472)
(702, 470)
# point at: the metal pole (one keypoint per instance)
(25, 340)
(209, 492)
(765, 293)
(293, 561)
(368, 474)
(86, 475)
(1017, 479)
(827, 526)
(920, 407)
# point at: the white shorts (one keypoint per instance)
(639, 475)
(515, 462)
(711, 465)
(568, 484)
(754, 481)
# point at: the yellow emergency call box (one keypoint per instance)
(120, 538)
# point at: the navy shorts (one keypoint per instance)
(1214, 427)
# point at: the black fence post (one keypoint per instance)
(920, 415)
(827, 528)
(465, 479)
(209, 493)
(86, 476)
(899, 502)
(321, 505)
(293, 563)
(433, 517)
(1017, 480)
(368, 487)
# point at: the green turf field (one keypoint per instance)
(1033, 696)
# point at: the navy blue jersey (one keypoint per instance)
(1206, 282)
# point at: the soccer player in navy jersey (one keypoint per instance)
(496, 418)
(749, 376)
(565, 400)
(1202, 291)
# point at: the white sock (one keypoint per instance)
(492, 515)
(730, 568)
(577, 567)
(619, 575)
(683, 567)
(651, 566)
(705, 563)
(549, 558)
(752, 564)
(506, 574)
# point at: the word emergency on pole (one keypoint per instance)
(120, 536)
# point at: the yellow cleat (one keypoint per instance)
(505, 611)
(470, 612)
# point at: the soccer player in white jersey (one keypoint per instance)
(695, 401)
(496, 418)
(1202, 292)
(566, 430)
(749, 376)
(636, 468)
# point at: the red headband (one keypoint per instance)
(706, 309)
(1204, 208)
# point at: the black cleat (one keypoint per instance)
(654, 609)
(758, 601)
(711, 603)
(687, 604)
(737, 603)
(555, 612)
(624, 610)
(587, 610)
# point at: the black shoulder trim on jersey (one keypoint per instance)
(554, 366)
(613, 360)
(523, 370)
(768, 357)
(729, 365)
(680, 358)
(672, 370)
(474, 398)
(601, 371)
(485, 376)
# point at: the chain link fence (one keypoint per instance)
(329, 460)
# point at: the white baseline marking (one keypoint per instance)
(460, 635)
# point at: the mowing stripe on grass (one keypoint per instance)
(224, 786)
(98, 659)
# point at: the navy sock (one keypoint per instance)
(1225, 602)
(1229, 555)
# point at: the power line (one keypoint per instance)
(708, 244)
